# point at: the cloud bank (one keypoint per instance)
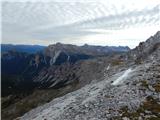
(99, 23)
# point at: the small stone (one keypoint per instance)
(86, 105)
(140, 118)
(148, 112)
(125, 118)
(141, 114)
(151, 88)
(107, 111)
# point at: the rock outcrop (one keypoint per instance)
(145, 49)
(61, 53)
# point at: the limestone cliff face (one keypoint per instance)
(61, 53)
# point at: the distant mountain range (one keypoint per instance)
(38, 48)
(22, 48)
(28, 62)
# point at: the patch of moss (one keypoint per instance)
(144, 83)
(117, 62)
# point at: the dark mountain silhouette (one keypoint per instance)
(22, 48)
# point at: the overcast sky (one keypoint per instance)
(96, 22)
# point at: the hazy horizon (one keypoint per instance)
(60, 43)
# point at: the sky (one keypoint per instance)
(95, 22)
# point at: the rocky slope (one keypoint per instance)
(129, 90)
(145, 49)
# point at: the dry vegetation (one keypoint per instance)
(13, 109)
(149, 110)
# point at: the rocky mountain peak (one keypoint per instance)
(144, 49)
(73, 53)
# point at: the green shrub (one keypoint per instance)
(117, 62)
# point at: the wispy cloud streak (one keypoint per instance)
(72, 21)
